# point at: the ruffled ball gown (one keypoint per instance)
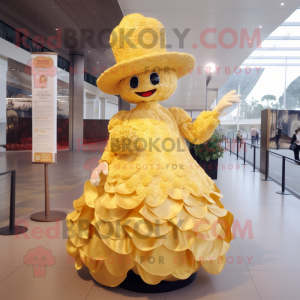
(156, 212)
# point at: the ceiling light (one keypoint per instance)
(260, 26)
(12, 69)
(56, 28)
(212, 67)
(282, 3)
(89, 51)
(97, 62)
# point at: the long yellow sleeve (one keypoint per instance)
(107, 155)
(117, 120)
(201, 129)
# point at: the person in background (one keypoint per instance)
(253, 135)
(239, 139)
(296, 139)
(257, 137)
(278, 136)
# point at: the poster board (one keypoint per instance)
(44, 107)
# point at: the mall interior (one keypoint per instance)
(224, 198)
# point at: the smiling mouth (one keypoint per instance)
(146, 94)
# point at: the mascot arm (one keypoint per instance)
(201, 129)
(108, 155)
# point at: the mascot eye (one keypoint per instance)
(154, 78)
(134, 82)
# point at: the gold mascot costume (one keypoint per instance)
(151, 208)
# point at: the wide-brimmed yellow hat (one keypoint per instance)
(139, 45)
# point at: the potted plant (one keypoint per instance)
(207, 154)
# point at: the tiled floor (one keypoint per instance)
(262, 263)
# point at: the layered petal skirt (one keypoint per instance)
(113, 230)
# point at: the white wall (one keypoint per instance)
(99, 109)
(111, 109)
(92, 109)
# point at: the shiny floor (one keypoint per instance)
(72, 169)
(262, 263)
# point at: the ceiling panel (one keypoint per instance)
(42, 17)
(218, 14)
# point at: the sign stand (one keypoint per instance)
(43, 66)
(48, 215)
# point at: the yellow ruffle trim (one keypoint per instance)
(112, 231)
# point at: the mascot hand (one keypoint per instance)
(95, 177)
(227, 101)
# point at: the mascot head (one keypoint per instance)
(144, 71)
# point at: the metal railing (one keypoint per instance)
(12, 229)
(267, 177)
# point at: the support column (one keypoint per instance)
(76, 95)
(3, 71)
(84, 105)
(284, 93)
(238, 111)
(96, 108)
(103, 103)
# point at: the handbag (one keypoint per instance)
(293, 146)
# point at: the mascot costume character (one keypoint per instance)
(149, 208)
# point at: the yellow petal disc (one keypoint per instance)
(90, 194)
(110, 187)
(215, 266)
(109, 201)
(121, 246)
(119, 265)
(192, 200)
(104, 277)
(128, 201)
(178, 240)
(168, 210)
(79, 203)
(109, 214)
(160, 261)
(71, 249)
(201, 249)
(150, 216)
(145, 243)
(95, 247)
(216, 210)
(145, 228)
(185, 221)
(197, 211)
(179, 194)
(149, 278)
(122, 189)
(184, 271)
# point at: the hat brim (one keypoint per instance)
(181, 63)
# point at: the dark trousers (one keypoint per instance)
(277, 142)
(253, 140)
(296, 152)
